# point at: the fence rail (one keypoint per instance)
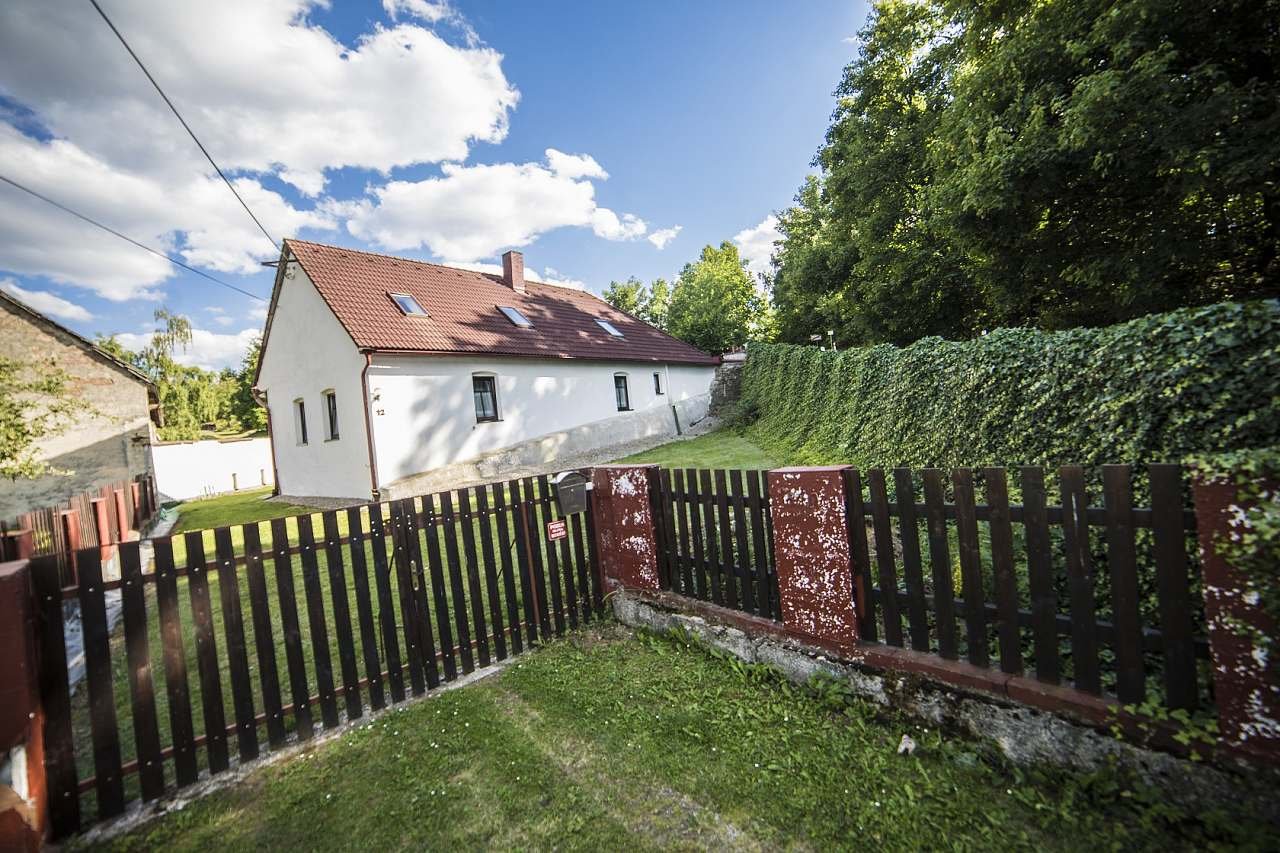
(269, 631)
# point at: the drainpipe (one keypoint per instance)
(261, 399)
(368, 425)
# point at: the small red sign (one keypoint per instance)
(557, 529)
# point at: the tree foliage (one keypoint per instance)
(35, 403)
(647, 303)
(1047, 164)
(715, 305)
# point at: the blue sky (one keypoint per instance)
(583, 134)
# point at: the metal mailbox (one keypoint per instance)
(571, 492)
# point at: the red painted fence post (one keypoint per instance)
(626, 534)
(17, 545)
(103, 525)
(813, 556)
(1246, 676)
(122, 515)
(135, 492)
(70, 521)
(22, 803)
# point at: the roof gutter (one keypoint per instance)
(368, 424)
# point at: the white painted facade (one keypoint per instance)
(422, 408)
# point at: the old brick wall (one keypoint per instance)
(113, 442)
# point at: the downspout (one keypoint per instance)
(261, 399)
(368, 425)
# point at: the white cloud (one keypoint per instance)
(258, 311)
(756, 244)
(472, 212)
(664, 236)
(851, 40)
(210, 350)
(46, 303)
(422, 9)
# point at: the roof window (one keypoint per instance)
(608, 327)
(516, 318)
(408, 305)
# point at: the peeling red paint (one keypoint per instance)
(628, 545)
(811, 550)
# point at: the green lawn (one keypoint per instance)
(724, 448)
(609, 741)
(233, 508)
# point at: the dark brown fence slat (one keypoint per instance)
(215, 724)
(1006, 581)
(725, 565)
(570, 588)
(146, 731)
(538, 576)
(1075, 542)
(693, 506)
(940, 563)
(386, 607)
(660, 506)
(597, 580)
(177, 691)
(679, 507)
(439, 593)
(1044, 600)
(713, 548)
(490, 566)
(318, 623)
(458, 601)
(863, 580)
(508, 571)
(474, 589)
(288, 599)
(970, 566)
(760, 557)
(263, 641)
(237, 651)
(583, 558)
(1122, 565)
(422, 608)
(912, 573)
(364, 609)
(524, 562)
(742, 563)
(401, 560)
(888, 574)
(1172, 587)
(553, 561)
(55, 694)
(341, 614)
(108, 782)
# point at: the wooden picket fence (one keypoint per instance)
(442, 584)
(1095, 591)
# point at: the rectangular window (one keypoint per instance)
(485, 391)
(516, 318)
(657, 383)
(608, 327)
(408, 305)
(300, 420)
(331, 416)
(620, 391)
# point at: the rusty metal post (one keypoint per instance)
(1246, 678)
(103, 525)
(22, 803)
(122, 515)
(813, 555)
(626, 536)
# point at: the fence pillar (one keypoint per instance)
(135, 492)
(813, 555)
(17, 545)
(102, 524)
(69, 519)
(1246, 674)
(626, 535)
(22, 802)
(122, 515)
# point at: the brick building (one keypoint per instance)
(110, 442)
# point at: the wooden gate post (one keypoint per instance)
(1246, 672)
(22, 805)
(626, 534)
(813, 555)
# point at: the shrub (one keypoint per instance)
(1160, 388)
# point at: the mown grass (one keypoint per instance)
(234, 508)
(724, 448)
(609, 741)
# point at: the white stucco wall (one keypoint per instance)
(424, 414)
(188, 469)
(307, 353)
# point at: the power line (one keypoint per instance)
(203, 150)
(11, 182)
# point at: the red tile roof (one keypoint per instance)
(464, 316)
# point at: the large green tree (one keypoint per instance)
(1040, 163)
(715, 304)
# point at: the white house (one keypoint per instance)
(377, 369)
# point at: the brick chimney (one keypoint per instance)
(513, 270)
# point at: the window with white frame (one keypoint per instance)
(621, 393)
(330, 415)
(300, 420)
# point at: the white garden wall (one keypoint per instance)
(189, 469)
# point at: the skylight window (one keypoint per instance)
(516, 318)
(408, 305)
(608, 327)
